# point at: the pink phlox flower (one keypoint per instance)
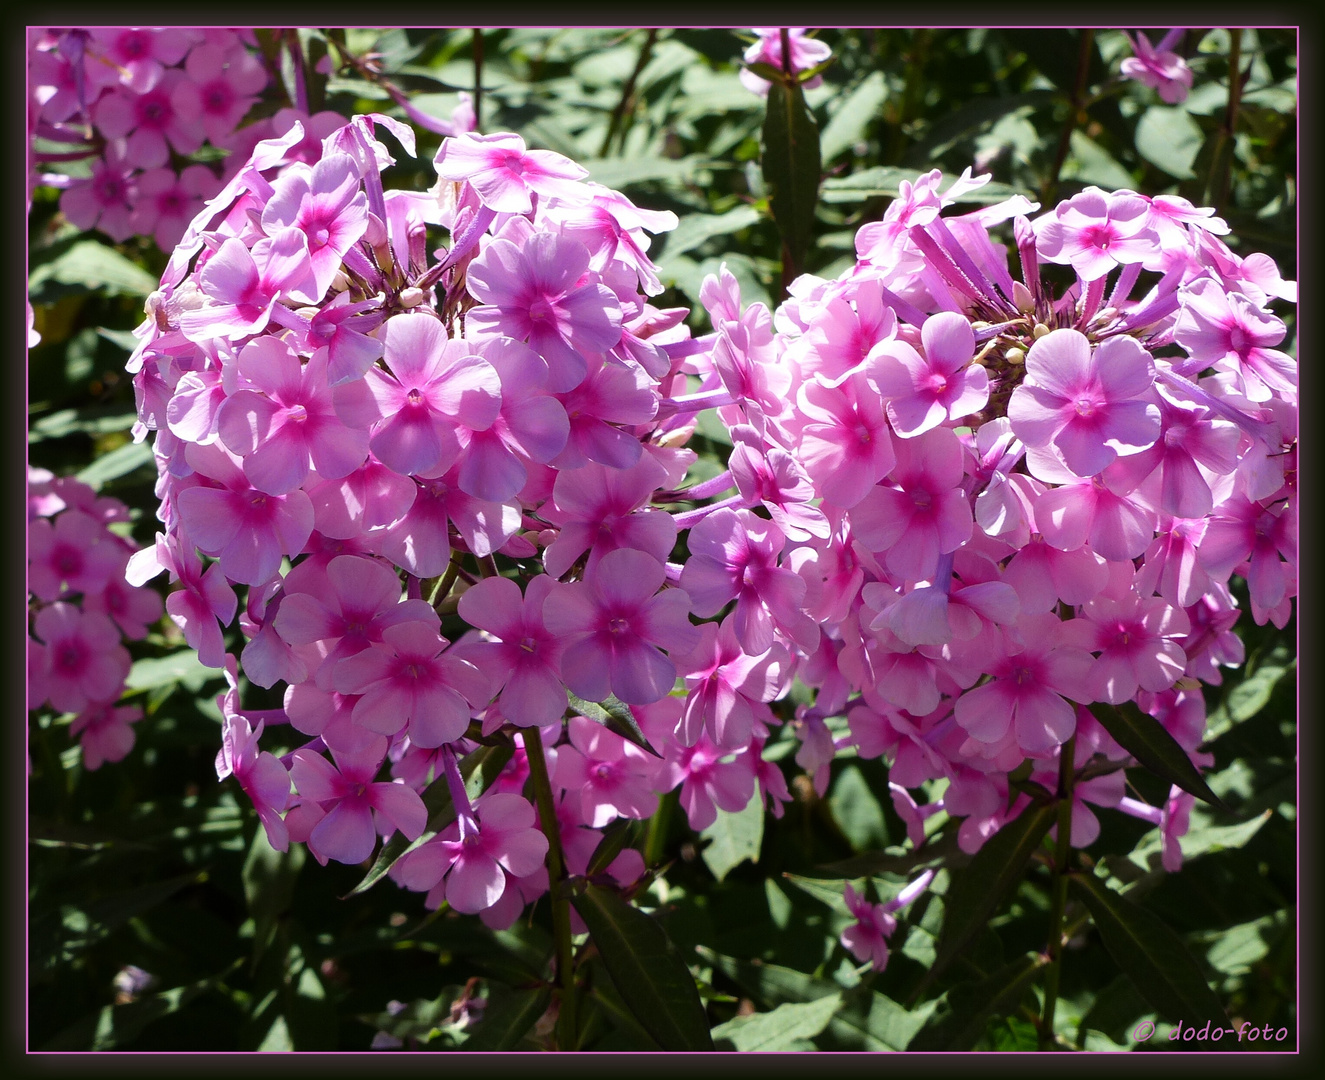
(926, 515)
(817, 748)
(369, 498)
(1172, 567)
(1135, 637)
(1171, 216)
(734, 556)
(1260, 536)
(1097, 230)
(142, 53)
(598, 509)
(710, 778)
(222, 85)
(166, 203)
(267, 659)
(105, 200)
(64, 86)
(538, 292)
(612, 228)
(244, 286)
(475, 864)
(356, 806)
(327, 204)
(1030, 679)
(347, 608)
(72, 554)
(523, 656)
(407, 680)
(1228, 331)
(151, 124)
(1104, 511)
(85, 662)
(912, 813)
(1211, 643)
(729, 689)
(614, 623)
(611, 777)
(610, 396)
(772, 783)
(420, 541)
(1158, 68)
(746, 358)
(323, 712)
(343, 329)
(104, 733)
(806, 52)
(943, 385)
(766, 473)
(935, 615)
(505, 174)
(435, 385)
(284, 422)
(316, 129)
(133, 609)
(866, 938)
(247, 529)
(205, 597)
(260, 774)
(1174, 823)
(531, 426)
(841, 336)
(1093, 405)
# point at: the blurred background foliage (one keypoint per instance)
(161, 920)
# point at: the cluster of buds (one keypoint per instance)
(81, 610)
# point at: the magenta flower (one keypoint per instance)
(728, 689)
(406, 681)
(222, 85)
(1158, 68)
(1096, 231)
(806, 52)
(73, 554)
(1245, 532)
(343, 328)
(104, 733)
(1231, 333)
(845, 447)
(772, 476)
(327, 204)
(923, 392)
(610, 777)
(612, 228)
(105, 200)
(710, 778)
(1100, 511)
(166, 203)
(355, 805)
(533, 292)
(1134, 637)
(142, 53)
(151, 123)
(205, 597)
(610, 396)
(85, 662)
(866, 938)
(370, 497)
(435, 385)
(614, 623)
(505, 174)
(132, 609)
(420, 541)
(1092, 405)
(525, 657)
(261, 775)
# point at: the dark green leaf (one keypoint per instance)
(780, 1029)
(479, 770)
(90, 265)
(506, 1026)
(646, 970)
(119, 462)
(693, 229)
(616, 837)
(993, 872)
(847, 126)
(614, 715)
(269, 876)
(970, 1005)
(178, 667)
(1147, 740)
(791, 168)
(734, 837)
(1150, 954)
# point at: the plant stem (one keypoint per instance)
(443, 589)
(478, 80)
(628, 93)
(556, 868)
(657, 837)
(1225, 161)
(1058, 885)
(1074, 110)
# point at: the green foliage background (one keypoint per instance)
(152, 863)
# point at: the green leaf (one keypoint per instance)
(848, 125)
(119, 462)
(976, 890)
(178, 667)
(1150, 954)
(479, 769)
(646, 970)
(90, 420)
(970, 1005)
(1090, 163)
(90, 265)
(898, 860)
(269, 877)
(1147, 740)
(506, 1026)
(1203, 838)
(734, 837)
(857, 810)
(886, 180)
(791, 166)
(616, 837)
(621, 173)
(615, 715)
(693, 229)
(1167, 136)
(779, 1029)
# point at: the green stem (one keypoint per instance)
(657, 837)
(556, 869)
(1074, 111)
(1058, 886)
(1225, 161)
(628, 93)
(443, 589)
(478, 80)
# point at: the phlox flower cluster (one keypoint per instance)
(1004, 482)
(81, 611)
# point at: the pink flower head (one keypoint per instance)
(260, 774)
(711, 778)
(866, 938)
(772, 476)
(612, 228)
(166, 203)
(611, 777)
(104, 733)
(1229, 332)
(505, 174)
(72, 554)
(1092, 405)
(845, 447)
(1158, 68)
(614, 623)
(222, 85)
(327, 204)
(85, 662)
(343, 329)
(727, 687)
(244, 286)
(924, 392)
(435, 384)
(151, 122)
(355, 805)
(533, 292)
(806, 52)
(610, 396)
(1096, 231)
(104, 201)
(142, 53)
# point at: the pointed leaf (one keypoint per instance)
(970, 1006)
(1150, 954)
(780, 1029)
(994, 871)
(616, 838)
(1147, 740)
(505, 1027)
(791, 169)
(269, 877)
(615, 715)
(734, 837)
(479, 770)
(646, 970)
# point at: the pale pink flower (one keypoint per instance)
(104, 733)
(924, 392)
(1159, 68)
(85, 662)
(505, 174)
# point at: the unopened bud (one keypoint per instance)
(340, 282)
(1021, 296)
(1015, 356)
(411, 297)
(1039, 331)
